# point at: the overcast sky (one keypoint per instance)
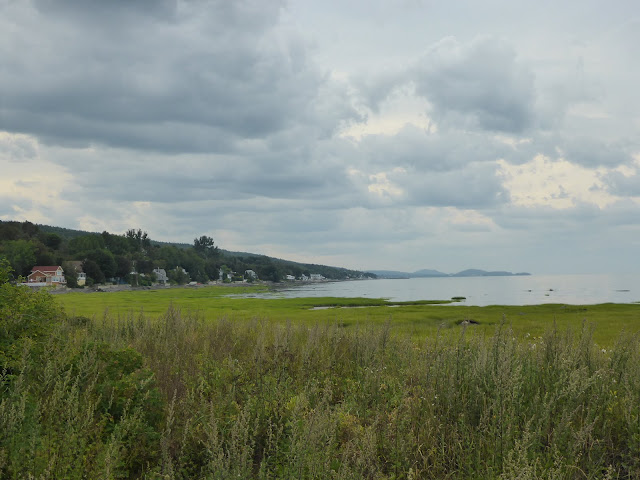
(405, 134)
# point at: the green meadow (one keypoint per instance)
(417, 319)
(181, 384)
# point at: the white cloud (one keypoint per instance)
(30, 186)
(558, 184)
(383, 187)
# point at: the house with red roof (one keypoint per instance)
(46, 275)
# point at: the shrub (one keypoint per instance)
(25, 317)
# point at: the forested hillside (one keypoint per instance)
(131, 257)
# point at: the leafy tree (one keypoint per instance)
(170, 255)
(93, 271)
(29, 229)
(105, 260)
(85, 243)
(144, 266)
(44, 255)
(6, 272)
(45, 258)
(52, 240)
(70, 274)
(269, 272)
(138, 240)
(204, 246)
(116, 244)
(10, 231)
(212, 269)
(177, 276)
(21, 254)
(123, 266)
(195, 265)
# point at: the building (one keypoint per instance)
(290, 277)
(225, 274)
(42, 276)
(161, 275)
(316, 277)
(250, 275)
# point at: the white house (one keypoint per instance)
(161, 275)
(316, 277)
(225, 273)
(290, 277)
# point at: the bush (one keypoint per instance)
(25, 317)
(70, 407)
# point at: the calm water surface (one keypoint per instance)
(527, 290)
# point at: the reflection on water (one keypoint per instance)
(526, 290)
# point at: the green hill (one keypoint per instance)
(117, 255)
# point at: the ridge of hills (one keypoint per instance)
(329, 272)
(428, 273)
(275, 268)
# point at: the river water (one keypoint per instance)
(524, 290)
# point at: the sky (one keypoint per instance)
(378, 134)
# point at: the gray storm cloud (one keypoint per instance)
(237, 119)
(480, 84)
(180, 77)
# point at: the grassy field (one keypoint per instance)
(417, 319)
(191, 384)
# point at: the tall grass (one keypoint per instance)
(183, 397)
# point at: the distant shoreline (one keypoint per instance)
(390, 274)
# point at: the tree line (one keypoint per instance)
(132, 257)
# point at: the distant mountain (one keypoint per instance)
(389, 274)
(473, 272)
(427, 273)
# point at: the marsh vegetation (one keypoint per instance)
(186, 394)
